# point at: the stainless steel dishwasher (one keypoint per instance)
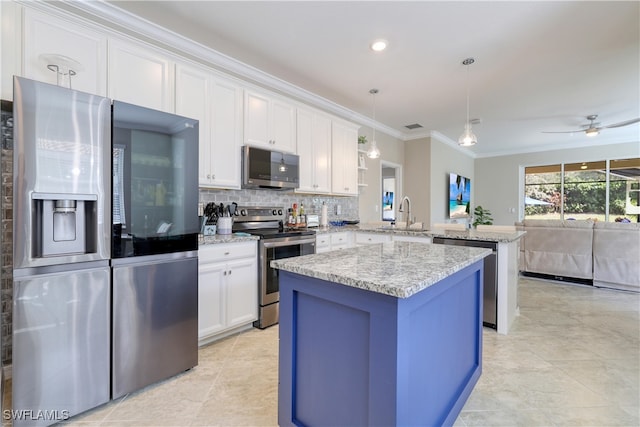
(490, 289)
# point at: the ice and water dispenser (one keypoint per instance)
(65, 224)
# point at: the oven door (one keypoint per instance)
(279, 248)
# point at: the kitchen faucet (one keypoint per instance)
(408, 209)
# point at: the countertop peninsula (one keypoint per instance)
(470, 234)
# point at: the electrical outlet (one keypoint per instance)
(338, 210)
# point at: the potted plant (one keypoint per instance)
(482, 216)
(362, 139)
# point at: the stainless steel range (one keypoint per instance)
(276, 242)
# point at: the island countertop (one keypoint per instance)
(398, 269)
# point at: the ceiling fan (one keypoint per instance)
(592, 129)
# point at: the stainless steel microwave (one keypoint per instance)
(269, 169)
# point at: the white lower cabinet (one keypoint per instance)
(340, 240)
(323, 243)
(370, 238)
(227, 288)
(333, 241)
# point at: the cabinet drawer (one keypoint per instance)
(366, 238)
(339, 239)
(220, 252)
(322, 241)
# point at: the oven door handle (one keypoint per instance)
(276, 243)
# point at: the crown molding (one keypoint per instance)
(451, 143)
(128, 23)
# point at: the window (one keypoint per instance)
(542, 190)
(585, 190)
(601, 190)
(624, 190)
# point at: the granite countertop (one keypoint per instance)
(472, 234)
(488, 236)
(225, 238)
(399, 269)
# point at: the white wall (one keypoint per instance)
(497, 179)
(428, 163)
(417, 180)
(391, 150)
(444, 160)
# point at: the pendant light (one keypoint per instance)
(467, 139)
(374, 151)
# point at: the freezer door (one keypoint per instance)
(61, 333)
(155, 321)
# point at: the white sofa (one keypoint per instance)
(558, 248)
(616, 255)
(605, 254)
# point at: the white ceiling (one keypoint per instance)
(540, 66)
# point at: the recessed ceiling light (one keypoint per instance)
(379, 45)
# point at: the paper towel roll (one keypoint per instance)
(324, 216)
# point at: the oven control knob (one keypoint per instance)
(280, 212)
(274, 212)
(243, 212)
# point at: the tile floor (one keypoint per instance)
(571, 359)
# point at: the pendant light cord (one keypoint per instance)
(468, 95)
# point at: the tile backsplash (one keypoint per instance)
(312, 202)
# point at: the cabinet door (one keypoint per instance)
(242, 291)
(226, 134)
(45, 35)
(305, 150)
(269, 123)
(321, 142)
(193, 92)
(211, 314)
(283, 126)
(314, 148)
(344, 159)
(256, 120)
(138, 74)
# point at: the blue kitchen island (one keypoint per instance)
(385, 334)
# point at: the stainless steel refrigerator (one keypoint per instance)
(62, 231)
(154, 248)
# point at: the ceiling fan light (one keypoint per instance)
(373, 152)
(592, 132)
(468, 138)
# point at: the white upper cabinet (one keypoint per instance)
(139, 74)
(48, 39)
(344, 159)
(314, 148)
(217, 103)
(269, 122)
